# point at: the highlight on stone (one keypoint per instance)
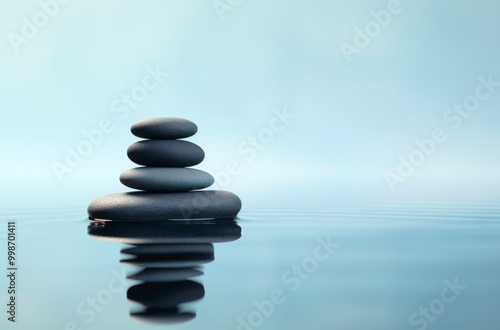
(168, 190)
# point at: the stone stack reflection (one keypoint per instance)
(168, 257)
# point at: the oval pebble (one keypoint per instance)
(164, 128)
(165, 231)
(166, 179)
(165, 274)
(162, 316)
(169, 255)
(141, 206)
(165, 153)
(166, 295)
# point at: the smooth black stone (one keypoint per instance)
(143, 206)
(166, 295)
(164, 128)
(163, 316)
(169, 249)
(165, 231)
(169, 261)
(165, 153)
(170, 255)
(165, 274)
(166, 179)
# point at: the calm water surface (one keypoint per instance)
(404, 266)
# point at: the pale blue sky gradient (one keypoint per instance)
(352, 121)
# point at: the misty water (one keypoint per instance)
(401, 266)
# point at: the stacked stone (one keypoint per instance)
(169, 188)
(165, 157)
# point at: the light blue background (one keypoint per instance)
(352, 121)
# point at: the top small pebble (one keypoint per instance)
(164, 128)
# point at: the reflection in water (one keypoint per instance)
(168, 255)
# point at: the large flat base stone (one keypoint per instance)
(142, 206)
